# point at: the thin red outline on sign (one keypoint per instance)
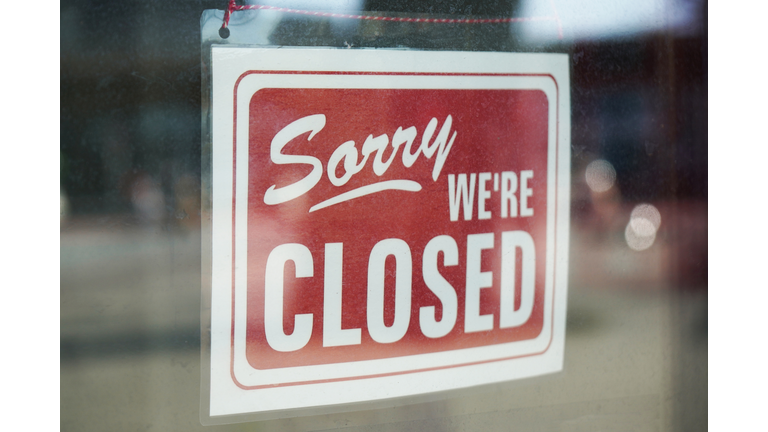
(350, 378)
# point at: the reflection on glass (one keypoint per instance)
(648, 212)
(641, 229)
(600, 175)
(63, 206)
(147, 198)
(601, 19)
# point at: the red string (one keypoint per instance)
(235, 7)
(227, 13)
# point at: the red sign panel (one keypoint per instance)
(491, 143)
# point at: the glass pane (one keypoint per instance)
(131, 176)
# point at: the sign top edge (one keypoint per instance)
(389, 60)
(385, 50)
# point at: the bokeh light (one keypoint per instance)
(644, 222)
(647, 211)
(600, 175)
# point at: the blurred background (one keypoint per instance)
(130, 190)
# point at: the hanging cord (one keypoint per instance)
(232, 7)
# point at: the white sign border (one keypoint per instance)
(322, 385)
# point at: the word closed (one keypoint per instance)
(429, 324)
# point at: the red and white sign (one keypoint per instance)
(385, 223)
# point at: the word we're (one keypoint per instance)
(462, 195)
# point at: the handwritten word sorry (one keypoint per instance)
(346, 156)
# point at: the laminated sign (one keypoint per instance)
(384, 224)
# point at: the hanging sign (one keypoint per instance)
(384, 223)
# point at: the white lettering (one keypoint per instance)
(458, 193)
(403, 278)
(348, 152)
(525, 192)
(510, 242)
(440, 147)
(477, 280)
(406, 137)
(312, 124)
(441, 144)
(273, 298)
(379, 144)
(440, 287)
(508, 189)
(482, 195)
(333, 334)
